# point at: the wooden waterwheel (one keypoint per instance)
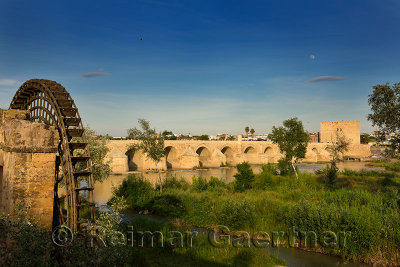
(49, 102)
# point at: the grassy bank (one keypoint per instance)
(24, 243)
(364, 203)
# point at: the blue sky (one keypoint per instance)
(204, 66)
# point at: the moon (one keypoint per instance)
(312, 57)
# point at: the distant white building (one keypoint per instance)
(256, 137)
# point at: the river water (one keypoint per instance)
(103, 191)
(299, 258)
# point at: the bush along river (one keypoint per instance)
(203, 198)
(104, 190)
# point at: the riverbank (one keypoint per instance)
(365, 203)
(104, 189)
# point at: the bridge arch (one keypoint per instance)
(315, 153)
(204, 155)
(229, 155)
(171, 157)
(250, 150)
(251, 154)
(135, 160)
(270, 153)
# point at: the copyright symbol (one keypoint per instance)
(62, 236)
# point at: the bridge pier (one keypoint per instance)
(188, 159)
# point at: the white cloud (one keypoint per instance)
(8, 82)
(94, 74)
(327, 79)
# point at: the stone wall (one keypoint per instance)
(27, 164)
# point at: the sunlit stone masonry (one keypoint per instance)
(27, 164)
(187, 154)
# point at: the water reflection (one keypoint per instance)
(295, 257)
(103, 191)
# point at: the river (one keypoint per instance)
(103, 191)
(299, 258)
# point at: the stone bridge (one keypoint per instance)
(187, 154)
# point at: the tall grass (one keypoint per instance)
(361, 202)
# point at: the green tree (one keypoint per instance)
(204, 137)
(385, 106)
(98, 150)
(336, 149)
(151, 144)
(252, 131)
(291, 139)
(166, 133)
(244, 178)
(231, 138)
(247, 129)
(107, 223)
(364, 138)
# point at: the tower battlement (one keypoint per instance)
(340, 122)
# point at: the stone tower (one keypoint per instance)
(349, 129)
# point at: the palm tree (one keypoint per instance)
(252, 132)
(247, 129)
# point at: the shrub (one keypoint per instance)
(331, 174)
(311, 216)
(199, 208)
(22, 241)
(144, 223)
(236, 214)
(365, 173)
(244, 177)
(166, 205)
(388, 179)
(269, 168)
(365, 227)
(136, 190)
(395, 166)
(175, 183)
(356, 211)
(215, 183)
(285, 167)
(264, 179)
(108, 222)
(199, 184)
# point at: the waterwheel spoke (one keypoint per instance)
(50, 103)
